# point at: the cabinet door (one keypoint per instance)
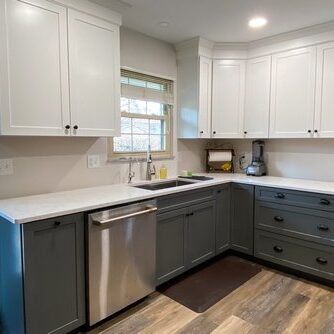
(228, 90)
(33, 66)
(293, 94)
(171, 228)
(242, 225)
(94, 75)
(324, 115)
(54, 275)
(204, 113)
(257, 99)
(200, 242)
(223, 210)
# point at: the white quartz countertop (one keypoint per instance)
(31, 208)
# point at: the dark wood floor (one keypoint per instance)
(271, 302)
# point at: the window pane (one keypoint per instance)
(140, 126)
(157, 127)
(125, 104)
(140, 143)
(126, 125)
(124, 80)
(138, 107)
(158, 143)
(155, 108)
(136, 82)
(123, 144)
(156, 86)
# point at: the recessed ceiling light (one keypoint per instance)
(163, 24)
(257, 22)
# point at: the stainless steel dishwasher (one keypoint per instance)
(121, 257)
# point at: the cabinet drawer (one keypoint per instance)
(187, 198)
(294, 253)
(297, 198)
(308, 224)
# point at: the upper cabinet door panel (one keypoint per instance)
(293, 93)
(33, 68)
(205, 83)
(94, 75)
(324, 115)
(228, 98)
(257, 99)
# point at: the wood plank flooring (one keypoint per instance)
(271, 302)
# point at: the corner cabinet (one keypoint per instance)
(59, 71)
(228, 92)
(293, 93)
(257, 99)
(194, 97)
(42, 286)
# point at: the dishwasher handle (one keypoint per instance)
(149, 209)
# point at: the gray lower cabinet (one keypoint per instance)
(223, 218)
(51, 285)
(185, 238)
(171, 256)
(242, 225)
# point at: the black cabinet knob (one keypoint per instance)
(278, 219)
(75, 127)
(315, 131)
(57, 223)
(278, 249)
(280, 196)
(309, 131)
(201, 132)
(67, 127)
(321, 260)
(324, 201)
(214, 132)
(323, 227)
(245, 132)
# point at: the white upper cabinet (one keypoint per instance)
(194, 97)
(205, 82)
(257, 98)
(34, 91)
(59, 71)
(324, 113)
(228, 91)
(293, 93)
(94, 75)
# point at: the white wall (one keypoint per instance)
(53, 164)
(297, 158)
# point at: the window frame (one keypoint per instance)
(169, 118)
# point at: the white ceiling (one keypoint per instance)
(219, 20)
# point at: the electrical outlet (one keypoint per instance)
(6, 167)
(93, 161)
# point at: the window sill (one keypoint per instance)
(138, 158)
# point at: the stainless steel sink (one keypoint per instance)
(164, 185)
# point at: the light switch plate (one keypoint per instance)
(6, 167)
(93, 161)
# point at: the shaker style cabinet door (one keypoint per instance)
(257, 99)
(324, 113)
(204, 113)
(94, 75)
(228, 90)
(293, 94)
(33, 68)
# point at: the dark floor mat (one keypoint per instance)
(205, 287)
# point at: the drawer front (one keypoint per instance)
(297, 198)
(294, 253)
(187, 198)
(308, 224)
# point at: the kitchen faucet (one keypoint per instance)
(150, 170)
(131, 174)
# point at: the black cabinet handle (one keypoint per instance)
(191, 214)
(75, 127)
(321, 260)
(57, 223)
(201, 132)
(324, 201)
(278, 249)
(278, 219)
(280, 195)
(322, 227)
(219, 191)
(67, 127)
